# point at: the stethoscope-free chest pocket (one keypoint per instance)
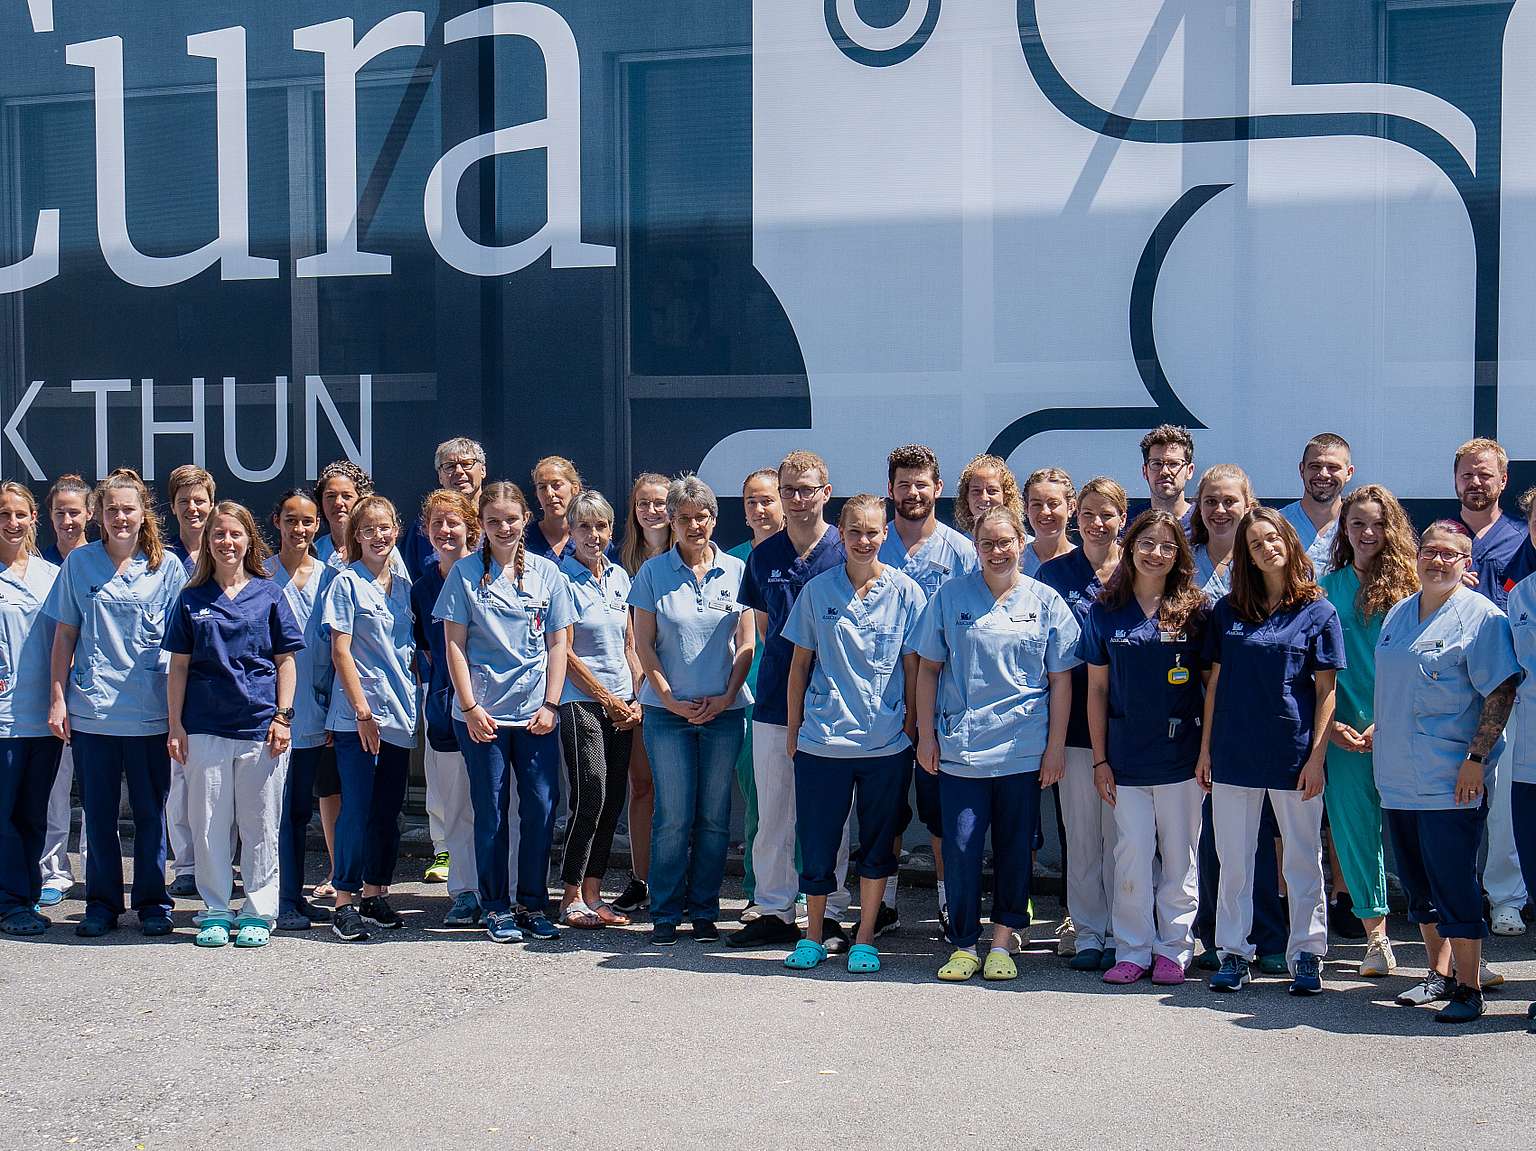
(886, 648)
(1012, 647)
(1440, 688)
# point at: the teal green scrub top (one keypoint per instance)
(1356, 698)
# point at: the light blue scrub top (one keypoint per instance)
(332, 557)
(26, 648)
(695, 624)
(1030, 562)
(601, 608)
(940, 557)
(1522, 626)
(1319, 544)
(506, 623)
(1431, 679)
(855, 702)
(117, 684)
(994, 697)
(312, 661)
(1212, 584)
(383, 648)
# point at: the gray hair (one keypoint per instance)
(589, 505)
(689, 489)
(459, 447)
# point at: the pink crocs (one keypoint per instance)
(1165, 972)
(1124, 972)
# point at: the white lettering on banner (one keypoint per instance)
(22, 451)
(558, 135)
(231, 439)
(360, 450)
(153, 427)
(41, 12)
(101, 388)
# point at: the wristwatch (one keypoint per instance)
(1476, 758)
(284, 713)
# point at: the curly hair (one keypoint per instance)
(1013, 500)
(1392, 574)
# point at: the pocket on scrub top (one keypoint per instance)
(374, 693)
(887, 649)
(1441, 687)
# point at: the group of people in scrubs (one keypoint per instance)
(1226, 701)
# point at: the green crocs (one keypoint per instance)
(253, 933)
(863, 959)
(806, 955)
(215, 933)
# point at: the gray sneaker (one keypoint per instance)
(1433, 988)
(465, 911)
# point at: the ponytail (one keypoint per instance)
(150, 542)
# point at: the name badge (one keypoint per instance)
(1178, 676)
(1173, 636)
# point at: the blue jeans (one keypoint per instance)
(1271, 925)
(693, 766)
(1010, 806)
(372, 794)
(535, 761)
(27, 771)
(103, 762)
(298, 810)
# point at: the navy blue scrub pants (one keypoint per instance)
(535, 761)
(28, 767)
(1010, 806)
(372, 794)
(1437, 862)
(1271, 926)
(103, 762)
(298, 810)
(1522, 801)
(826, 789)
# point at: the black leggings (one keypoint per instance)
(597, 764)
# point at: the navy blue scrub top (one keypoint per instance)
(232, 677)
(432, 658)
(1155, 694)
(188, 564)
(1266, 696)
(536, 543)
(1492, 554)
(1072, 577)
(1522, 565)
(51, 554)
(775, 574)
(417, 551)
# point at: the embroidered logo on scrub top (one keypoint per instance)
(965, 617)
(776, 574)
(832, 613)
(1236, 628)
(202, 613)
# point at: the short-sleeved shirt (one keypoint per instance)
(1073, 578)
(432, 659)
(507, 621)
(331, 556)
(1213, 583)
(538, 544)
(1266, 695)
(1318, 544)
(601, 605)
(1493, 552)
(1431, 679)
(178, 549)
(855, 699)
(775, 574)
(26, 649)
(233, 645)
(1522, 564)
(117, 682)
(695, 624)
(383, 648)
(741, 551)
(1155, 694)
(942, 556)
(992, 713)
(1522, 627)
(312, 662)
(1356, 704)
(1186, 521)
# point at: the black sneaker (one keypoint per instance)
(536, 924)
(1433, 988)
(348, 924)
(314, 912)
(663, 935)
(887, 920)
(944, 921)
(1465, 1006)
(634, 896)
(1342, 920)
(769, 931)
(833, 937)
(705, 931)
(377, 911)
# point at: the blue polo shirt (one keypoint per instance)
(601, 629)
(1493, 552)
(1155, 694)
(741, 551)
(775, 574)
(1266, 697)
(942, 556)
(312, 662)
(26, 649)
(432, 659)
(1318, 544)
(695, 624)
(233, 645)
(1072, 577)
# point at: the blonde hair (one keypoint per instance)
(1006, 480)
(1482, 444)
(256, 551)
(505, 491)
(1050, 476)
(24, 493)
(150, 541)
(801, 460)
(1003, 512)
(1198, 532)
(1105, 488)
(360, 509)
(864, 502)
(560, 464)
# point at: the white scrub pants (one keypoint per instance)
(1154, 908)
(1501, 870)
(1090, 824)
(235, 784)
(178, 824)
(57, 873)
(1235, 819)
(776, 879)
(452, 818)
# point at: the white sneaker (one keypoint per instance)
(1379, 959)
(1066, 937)
(1507, 921)
(753, 911)
(1490, 977)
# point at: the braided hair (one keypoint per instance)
(502, 491)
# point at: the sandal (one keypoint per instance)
(215, 933)
(999, 966)
(806, 955)
(323, 891)
(253, 935)
(961, 966)
(610, 916)
(23, 921)
(578, 914)
(863, 959)
(1125, 972)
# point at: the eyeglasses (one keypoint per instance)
(1167, 465)
(1002, 544)
(375, 531)
(1443, 555)
(1150, 547)
(651, 505)
(458, 465)
(799, 493)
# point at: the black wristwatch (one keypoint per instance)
(1476, 758)
(284, 713)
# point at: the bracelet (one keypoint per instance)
(552, 706)
(281, 720)
(1101, 763)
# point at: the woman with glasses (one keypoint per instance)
(1446, 674)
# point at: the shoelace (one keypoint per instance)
(1232, 964)
(1307, 965)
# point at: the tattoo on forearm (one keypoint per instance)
(1496, 709)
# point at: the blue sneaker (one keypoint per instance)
(51, 897)
(537, 924)
(1306, 975)
(465, 911)
(501, 926)
(1232, 976)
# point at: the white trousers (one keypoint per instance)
(774, 873)
(55, 862)
(1501, 870)
(1090, 824)
(1235, 820)
(452, 817)
(1155, 908)
(234, 784)
(178, 824)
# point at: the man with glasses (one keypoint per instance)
(1168, 465)
(776, 571)
(1482, 473)
(1326, 469)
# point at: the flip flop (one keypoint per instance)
(961, 966)
(863, 959)
(323, 891)
(999, 966)
(253, 935)
(806, 955)
(579, 915)
(215, 933)
(608, 915)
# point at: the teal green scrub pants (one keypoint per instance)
(748, 783)
(1354, 813)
